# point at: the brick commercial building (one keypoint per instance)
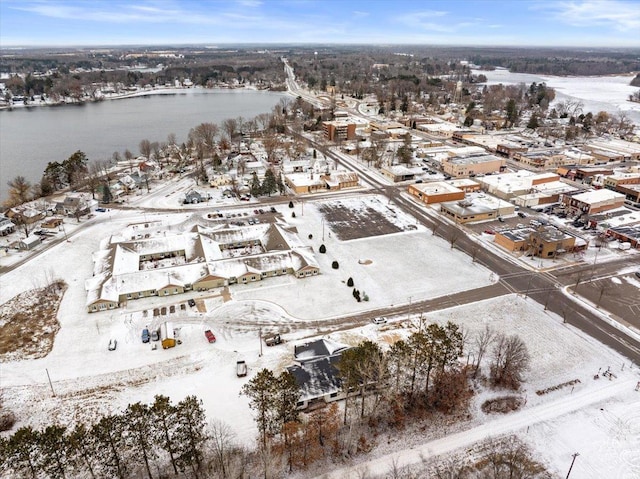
(592, 202)
(339, 130)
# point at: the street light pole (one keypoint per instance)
(572, 461)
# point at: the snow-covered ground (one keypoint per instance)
(89, 380)
(598, 93)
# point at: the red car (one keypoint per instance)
(210, 336)
(490, 232)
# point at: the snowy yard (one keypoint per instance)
(409, 265)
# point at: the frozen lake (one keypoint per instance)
(32, 137)
(598, 93)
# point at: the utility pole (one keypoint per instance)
(50, 383)
(572, 461)
(260, 339)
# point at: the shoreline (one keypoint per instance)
(134, 94)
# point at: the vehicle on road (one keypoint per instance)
(101, 210)
(521, 214)
(113, 344)
(379, 320)
(191, 302)
(145, 335)
(638, 272)
(272, 340)
(490, 232)
(273, 210)
(155, 335)
(500, 219)
(210, 336)
(241, 369)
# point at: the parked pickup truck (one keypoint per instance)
(272, 340)
(241, 369)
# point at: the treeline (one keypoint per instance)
(561, 65)
(417, 379)
(143, 437)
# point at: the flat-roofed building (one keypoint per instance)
(586, 174)
(339, 130)
(464, 166)
(626, 234)
(398, 173)
(615, 149)
(465, 184)
(303, 183)
(621, 178)
(541, 241)
(592, 202)
(510, 185)
(515, 239)
(436, 192)
(631, 192)
(476, 208)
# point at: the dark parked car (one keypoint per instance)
(191, 302)
(521, 214)
(273, 210)
(101, 210)
(145, 335)
(113, 344)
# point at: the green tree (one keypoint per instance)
(533, 122)
(75, 167)
(83, 449)
(405, 152)
(54, 172)
(269, 184)
(164, 414)
(190, 433)
(287, 397)
(140, 425)
(54, 451)
(512, 112)
(261, 391)
(255, 188)
(22, 452)
(109, 434)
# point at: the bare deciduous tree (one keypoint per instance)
(19, 191)
(481, 343)
(510, 361)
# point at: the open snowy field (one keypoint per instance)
(89, 381)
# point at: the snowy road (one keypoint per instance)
(512, 423)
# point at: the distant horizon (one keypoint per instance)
(590, 24)
(220, 45)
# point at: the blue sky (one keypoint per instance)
(594, 23)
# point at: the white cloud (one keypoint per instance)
(424, 21)
(360, 14)
(249, 3)
(622, 16)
